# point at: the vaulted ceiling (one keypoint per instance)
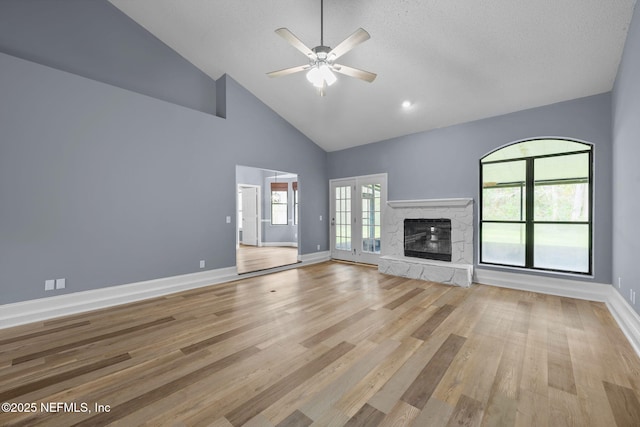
(454, 60)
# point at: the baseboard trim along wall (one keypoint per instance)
(21, 313)
(627, 318)
(280, 244)
(622, 312)
(315, 257)
(543, 284)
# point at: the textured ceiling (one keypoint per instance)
(455, 60)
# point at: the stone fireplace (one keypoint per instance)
(429, 240)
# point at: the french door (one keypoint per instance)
(356, 207)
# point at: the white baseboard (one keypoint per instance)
(63, 305)
(315, 257)
(284, 244)
(626, 317)
(37, 310)
(622, 312)
(543, 284)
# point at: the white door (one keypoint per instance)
(356, 218)
(250, 216)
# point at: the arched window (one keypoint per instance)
(536, 206)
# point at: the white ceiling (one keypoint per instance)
(455, 60)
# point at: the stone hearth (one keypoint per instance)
(457, 272)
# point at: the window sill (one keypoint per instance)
(537, 272)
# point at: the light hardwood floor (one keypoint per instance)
(328, 345)
(256, 258)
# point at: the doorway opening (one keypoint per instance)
(266, 219)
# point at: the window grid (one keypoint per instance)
(343, 218)
(371, 218)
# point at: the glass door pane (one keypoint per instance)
(370, 198)
(342, 230)
(343, 218)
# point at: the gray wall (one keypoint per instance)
(626, 169)
(94, 39)
(104, 186)
(443, 163)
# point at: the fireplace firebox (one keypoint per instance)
(428, 238)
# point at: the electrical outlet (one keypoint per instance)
(61, 283)
(318, 247)
(49, 285)
(320, 217)
(228, 219)
(619, 282)
(201, 263)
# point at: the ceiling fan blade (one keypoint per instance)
(287, 71)
(349, 43)
(295, 42)
(354, 72)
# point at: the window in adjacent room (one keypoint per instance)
(294, 187)
(279, 203)
(536, 206)
(239, 209)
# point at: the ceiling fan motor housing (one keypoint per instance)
(322, 54)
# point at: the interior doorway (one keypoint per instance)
(266, 219)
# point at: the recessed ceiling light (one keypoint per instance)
(406, 104)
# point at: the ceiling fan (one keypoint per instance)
(322, 58)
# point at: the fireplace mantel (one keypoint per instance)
(457, 272)
(431, 203)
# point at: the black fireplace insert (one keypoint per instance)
(428, 238)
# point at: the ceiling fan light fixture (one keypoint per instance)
(327, 74)
(321, 74)
(315, 76)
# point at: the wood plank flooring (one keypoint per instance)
(326, 345)
(256, 258)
